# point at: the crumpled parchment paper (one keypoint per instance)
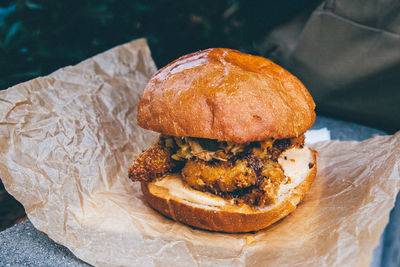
(66, 141)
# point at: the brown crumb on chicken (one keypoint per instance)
(225, 176)
(152, 163)
(251, 176)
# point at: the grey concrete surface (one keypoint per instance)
(23, 245)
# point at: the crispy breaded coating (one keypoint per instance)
(283, 144)
(254, 180)
(273, 177)
(252, 176)
(152, 163)
(218, 176)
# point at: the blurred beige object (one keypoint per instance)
(67, 140)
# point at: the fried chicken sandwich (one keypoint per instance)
(231, 154)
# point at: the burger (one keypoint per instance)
(231, 154)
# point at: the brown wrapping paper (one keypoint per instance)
(66, 141)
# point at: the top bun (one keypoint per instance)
(226, 95)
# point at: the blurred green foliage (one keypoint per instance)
(38, 37)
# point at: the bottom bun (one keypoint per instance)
(176, 200)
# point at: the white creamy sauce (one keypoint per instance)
(176, 188)
(294, 162)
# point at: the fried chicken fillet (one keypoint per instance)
(249, 173)
(152, 163)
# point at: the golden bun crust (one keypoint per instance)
(226, 95)
(231, 219)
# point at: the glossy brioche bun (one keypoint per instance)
(230, 217)
(226, 95)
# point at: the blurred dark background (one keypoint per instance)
(38, 37)
(347, 53)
